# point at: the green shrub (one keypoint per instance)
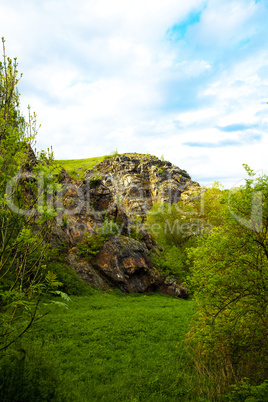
(173, 262)
(34, 374)
(109, 228)
(91, 245)
(246, 392)
(229, 275)
(114, 153)
(135, 233)
(73, 173)
(72, 284)
(59, 253)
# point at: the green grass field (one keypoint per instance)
(115, 347)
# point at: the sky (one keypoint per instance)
(184, 79)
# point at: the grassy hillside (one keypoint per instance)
(77, 167)
(110, 347)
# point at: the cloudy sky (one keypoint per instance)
(183, 79)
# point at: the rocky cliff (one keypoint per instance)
(136, 181)
(97, 218)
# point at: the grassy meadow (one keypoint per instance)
(108, 347)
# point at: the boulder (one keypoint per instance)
(126, 264)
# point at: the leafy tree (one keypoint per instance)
(24, 231)
(230, 279)
(176, 227)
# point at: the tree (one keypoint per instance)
(230, 279)
(176, 227)
(24, 231)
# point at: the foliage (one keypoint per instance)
(110, 228)
(114, 153)
(25, 222)
(172, 261)
(167, 223)
(243, 391)
(136, 228)
(177, 227)
(34, 373)
(71, 283)
(213, 205)
(59, 252)
(93, 242)
(230, 277)
(175, 234)
(91, 245)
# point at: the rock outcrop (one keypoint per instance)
(111, 195)
(138, 181)
(124, 263)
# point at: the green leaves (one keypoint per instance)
(91, 245)
(51, 281)
(24, 227)
(230, 278)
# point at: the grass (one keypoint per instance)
(76, 167)
(115, 347)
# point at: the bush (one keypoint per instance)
(72, 284)
(34, 375)
(110, 228)
(114, 153)
(230, 279)
(172, 262)
(246, 392)
(175, 229)
(91, 245)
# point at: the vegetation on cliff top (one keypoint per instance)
(76, 168)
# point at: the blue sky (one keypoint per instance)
(187, 80)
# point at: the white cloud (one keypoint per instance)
(225, 22)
